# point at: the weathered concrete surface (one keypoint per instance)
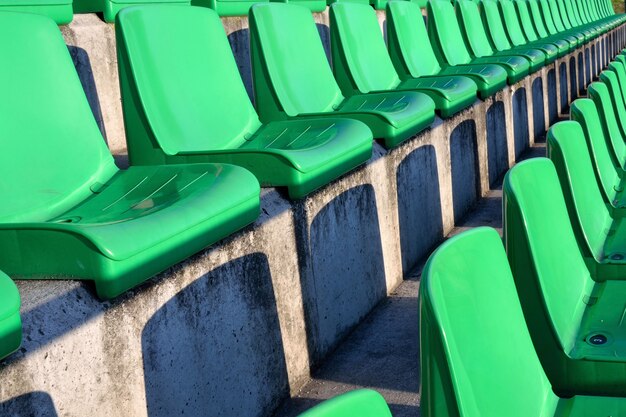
(383, 351)
(238, 327)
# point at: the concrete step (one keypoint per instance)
(382, 353)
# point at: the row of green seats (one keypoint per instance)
(511, 34)
(549, 311)
(185, 102)
(393, 92)
(62, 11)
(565, 242)
(479, 353)
(174, 62)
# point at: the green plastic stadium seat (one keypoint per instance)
(293, 79)
(58, 10)
(362, 63)
(110, 8)
(607, 168)
(67, 210)
(228, 7)
(477, 354)
(599, 228)
(178, 106)
(449, 47)
(10, 322)
(574, 321)
(516, 34)
(358, 403)
(537, 33)
(499, 38)
(413, 56)
(475, 35)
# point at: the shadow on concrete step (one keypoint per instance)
(33, 404)
(342, 267)
(419, 205)
(215, 349)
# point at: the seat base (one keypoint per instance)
(451, 94)
(489, 78)
(143, 221)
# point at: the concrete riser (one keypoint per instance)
(237, 328)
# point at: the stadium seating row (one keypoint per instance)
(553, 315)
(571, 13)
(82, 217)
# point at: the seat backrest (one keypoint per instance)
(587, 209)
(600, 12)
(471, 321)
(179, 66)
(472, 27)
(556, 15)
(581, 11)
(493, 21)
(537, 16)
(563, 14)
(527, 23)
(52, 149)
(360, 58)
(408, 42)
(617, 100)
(604, 7)
(618, 81)
(512, 22)
(358, 403)
(547, 17)
(572, 12)
(591, 10)
(584, 112)
(543, 250)
(599, 93)
(445, 34)
(288, 58)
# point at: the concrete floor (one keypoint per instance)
(383, 352)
